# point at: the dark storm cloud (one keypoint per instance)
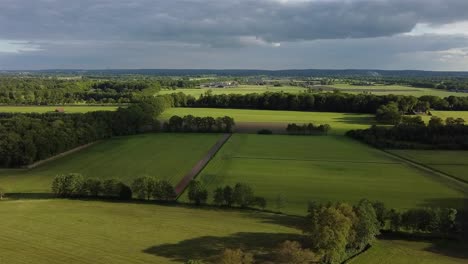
(217, 22)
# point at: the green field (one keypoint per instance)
(393, 89)
(454, 163)
(413, 252)
(45, 109)
(346, 88)
(241, 89)
(454, 114)
(323, 168)
(166, 156)
(340, 122)
(76, 232)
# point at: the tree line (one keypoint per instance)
(324, 102)
(413, 133)
(190, 123)
(307, 129)
(27, 138)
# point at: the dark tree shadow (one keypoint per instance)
(208, 247)
(17, 196)
(457, 203)
(353, 119)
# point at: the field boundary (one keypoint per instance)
(192, 174)
(60, 155)
(460, 184)
(319, 160)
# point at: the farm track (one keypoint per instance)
(180, 187)
(451, 180)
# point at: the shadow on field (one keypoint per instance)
(457, 203)
(442, 246)
(208, 247)
(17, 196)
(353, 119)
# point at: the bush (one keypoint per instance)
(264, 132)
(144, 187)
(235, 256)
(163, 190)
(197, 193)
(68, 185)
(93, 187)
(125, 192)
(291, 252)
(111, 188)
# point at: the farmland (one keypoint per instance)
(345, 88)
(300, 169)
(454, 163)
(340, 122)
(45, 109)
(165, 156)
(66, 231)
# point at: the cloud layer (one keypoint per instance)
(51, 33)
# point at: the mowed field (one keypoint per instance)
(413, 252)
(340, 122)
(241, 89)
(45, 109)
(76, 232)
(165, 156)
(323, 168)
(393, 89)
(454, 163)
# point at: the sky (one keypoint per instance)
(234, 34)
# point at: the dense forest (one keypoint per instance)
(413, 133)
(326, 102)
(26, 138)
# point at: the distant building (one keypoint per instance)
(59, 110)
(220, 84)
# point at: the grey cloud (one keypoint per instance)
(219, 23)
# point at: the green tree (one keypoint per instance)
(93, 187)
(368, 226)
(228, 195)
(2, 193)
(243, 195)
(197, 193)
(388, 114)
(218, 197)
(163, 190)
(291, 252)
(144, 187)
(235, 256)
(125, 192)
(436, 122)
(68, 185)
(111, 188)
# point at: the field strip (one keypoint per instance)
(459, 184)
(320, 160)
(63, 154)
(180, 187)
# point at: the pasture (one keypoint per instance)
(290, 171)
(241, 89)
(414, 252)
(165, 156)
(392, 89)
(73, 232)
(340, 122)
(45, 109)
(451, 162)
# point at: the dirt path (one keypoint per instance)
(180, 187)
(63, 154)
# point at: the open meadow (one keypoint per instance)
(340, 122)
(45, 109)
(392, 89)
(75, 232)
(290, 171)
(241, 89)
(165, 156)
(454, 163)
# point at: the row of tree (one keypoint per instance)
(190, 123)
(74, 185)
(413, 133)
(307, 129)
(325, 102)
(27, 138)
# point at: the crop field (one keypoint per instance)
(45, 109)
(165, 156)
(414, 252)
(241, 89)
(290, 171)
(454, 163)
(340, 122)
(393, 89)
(76, 232)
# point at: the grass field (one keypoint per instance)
(454, 163)
(413, 252)
(76, 232)
(166, 156)
(45, 109)
(454, 114)
(394, 89)
(323, 168)
(340, 122)
(346, 88)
